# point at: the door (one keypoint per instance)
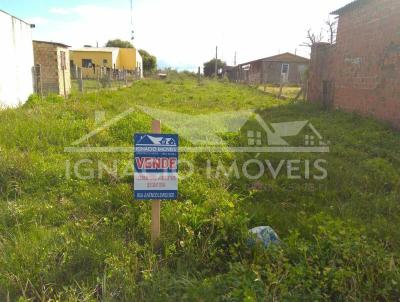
(285, 72)
(327, 93)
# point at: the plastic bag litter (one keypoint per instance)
(264, 234)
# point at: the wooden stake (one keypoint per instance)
(156, 204)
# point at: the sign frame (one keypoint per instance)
(156, 158)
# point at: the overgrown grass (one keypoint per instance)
(287, 91)
(91, 85)
(71, 239)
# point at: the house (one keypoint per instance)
(361, 72)
(16, 60)
(286, 67)
(52, 70)
(90, 59)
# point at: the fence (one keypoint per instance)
(93, 79)
(62, 82)
(37, 79)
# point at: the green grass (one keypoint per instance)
(90, 85)
(69, 239)
(288, 92)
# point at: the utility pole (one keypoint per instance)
(216, 61)
(132, 30)
(234, 61)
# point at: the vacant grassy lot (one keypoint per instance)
(71, 239)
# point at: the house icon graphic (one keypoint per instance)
(277, 133)
(203, 133)
(149, 140)
(168, 141)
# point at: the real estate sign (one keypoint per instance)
(156, 166)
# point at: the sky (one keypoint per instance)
(182, 34)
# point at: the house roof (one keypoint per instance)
(96, 49)
(286, 57)
(53, 43)
(352, 5)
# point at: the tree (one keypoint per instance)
(332, 30)
(149, 61)
(209, 67)
(119, 43)
(312, 38)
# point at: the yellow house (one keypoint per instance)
(91, 58)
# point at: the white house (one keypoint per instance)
(16, 60)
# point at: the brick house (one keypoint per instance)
(361, 72)
(52, 70)
(271, 70)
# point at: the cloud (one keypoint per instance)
(37, 20)
(59, 11)
(184, 33)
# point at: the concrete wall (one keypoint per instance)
(127, 59)
(119, 58)
(16, 61)
(139, 64)
(97, 57)
(364, 65)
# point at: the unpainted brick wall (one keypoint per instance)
(365, 62)
(48, 56)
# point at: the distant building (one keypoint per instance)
(52, 69)
(361, 72)
(16, 60)
(286, 67)
(92, 58)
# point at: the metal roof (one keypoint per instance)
(352, 5)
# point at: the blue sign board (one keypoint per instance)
(156, 166)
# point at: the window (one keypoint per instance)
(105, 61)
(246, 67)
(285, 68)
(254, 138)
(87, 63)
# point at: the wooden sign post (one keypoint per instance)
(156, 204)
(155, 172)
